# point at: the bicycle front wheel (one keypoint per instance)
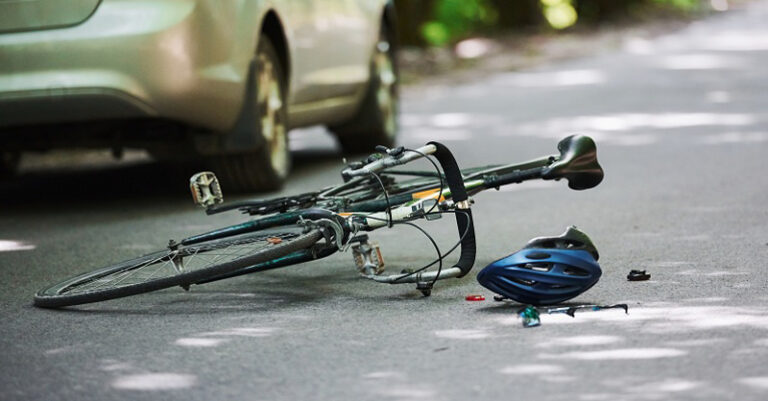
(182, 266)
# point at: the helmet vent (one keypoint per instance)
(557, 287)
(573, 245)
(522, 281)
(539, 267)
(573, 271)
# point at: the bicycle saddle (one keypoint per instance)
(577, 163)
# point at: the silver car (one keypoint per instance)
(215, 80)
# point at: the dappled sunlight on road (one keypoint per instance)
(550, 79)
(694, 343)
(616, 354)
(619, 129)
(580, 340)
(734, 40)
(719, 97)
(756, 382)
(408, 392)
(243, 332)
(111, 365)
(531, 369)
(155, 381)
(668, 319)
(639, 129)
(665, 386)
(700, 62)
(383, 375)
(11, 245)
(424, 135)
(636, 121)
(199, 342)
(735, 138)
(446, 127)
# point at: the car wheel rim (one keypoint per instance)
(385, 93)
(270, 103)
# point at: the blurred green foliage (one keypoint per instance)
(686, 5)
(440, 22)
(457, 18)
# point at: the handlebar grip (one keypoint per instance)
(464, 220)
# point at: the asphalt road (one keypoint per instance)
(681, 123)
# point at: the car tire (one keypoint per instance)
(376, 122)
(267, 167)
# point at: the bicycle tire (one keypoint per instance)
(112, 282)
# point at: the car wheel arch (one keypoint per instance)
(273, 28)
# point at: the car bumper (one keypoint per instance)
(153, 58)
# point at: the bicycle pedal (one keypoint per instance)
(368, 259)
(205, 189)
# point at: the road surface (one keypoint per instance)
(681, 123)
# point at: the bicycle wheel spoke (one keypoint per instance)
(194, 257)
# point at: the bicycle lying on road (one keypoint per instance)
(314, 225)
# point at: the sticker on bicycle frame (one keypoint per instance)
(430, 193)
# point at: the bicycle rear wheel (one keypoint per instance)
(182, 266)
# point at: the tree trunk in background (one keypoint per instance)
(516, 14)
(411, 15)
(599, 11)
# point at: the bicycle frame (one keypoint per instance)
(577, 163)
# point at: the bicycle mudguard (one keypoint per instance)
(464, 220)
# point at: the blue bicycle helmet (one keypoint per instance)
(548, 270)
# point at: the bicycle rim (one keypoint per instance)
(182, 266)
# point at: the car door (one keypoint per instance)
(27, 15)
(332, 45)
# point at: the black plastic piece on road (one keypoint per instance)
(638, 275)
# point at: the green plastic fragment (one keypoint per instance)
(530, 317)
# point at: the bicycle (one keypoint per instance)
(314, 225)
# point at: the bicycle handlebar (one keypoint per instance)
(387, 162)
(459, 193)
(464, 221)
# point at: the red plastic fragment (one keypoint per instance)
(474, 297)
